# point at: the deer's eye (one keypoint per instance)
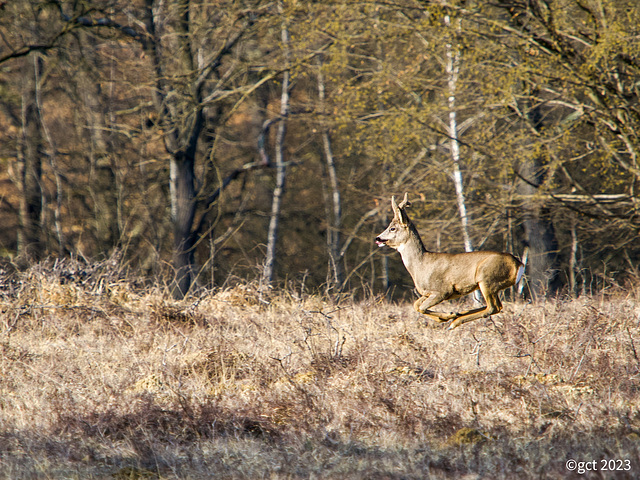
(392, 229)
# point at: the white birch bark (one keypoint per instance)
(452, 67)
(281, 171)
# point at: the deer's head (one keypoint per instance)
(399, 230)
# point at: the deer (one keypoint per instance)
(447, 276)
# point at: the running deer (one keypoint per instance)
(445, 276)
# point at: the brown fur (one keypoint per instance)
(444, 276)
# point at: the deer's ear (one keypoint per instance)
(394, 206)
(404, 219)
(398, 210)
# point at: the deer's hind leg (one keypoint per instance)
(424, 303)
(494, 305)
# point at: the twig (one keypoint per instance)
(584, 353)
(633, 347)
(476, 349)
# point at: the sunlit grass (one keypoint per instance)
(103, 379)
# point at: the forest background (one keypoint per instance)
(199, 142)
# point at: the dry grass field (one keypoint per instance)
(102, 379)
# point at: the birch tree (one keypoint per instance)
(452, 69)
(335, 276)
(280, 165)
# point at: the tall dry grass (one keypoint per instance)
(100, 378)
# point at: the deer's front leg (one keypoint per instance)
(418, 303)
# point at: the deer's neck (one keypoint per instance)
(412, 252)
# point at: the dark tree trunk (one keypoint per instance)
(180, 94)
(183, 207)
(539, 235)
(30, 235)
(183, 124)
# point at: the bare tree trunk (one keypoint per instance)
(52, 155)
(181, 117)
(333, 236)
(281, 170)
(183, 208)
(540, 241)
(102, 185)
(30, 235)
(452, 67)
(573, 259)
(180, 142)
(336, 274)
(539, 234)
